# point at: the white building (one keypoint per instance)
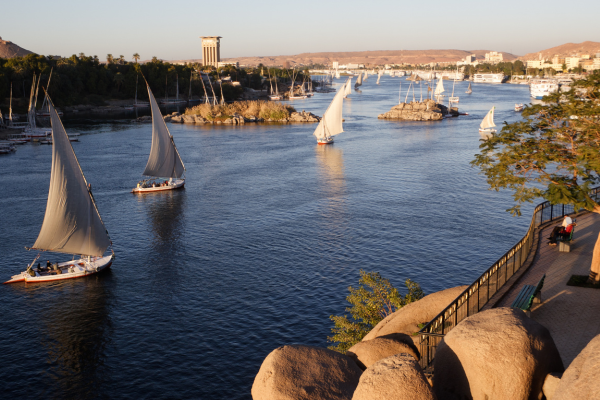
(336, 65)
(493, 57)
(572, 62)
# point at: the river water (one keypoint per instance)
(256, 252)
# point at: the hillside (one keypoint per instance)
(377, 57)
(9, 50)
(565, 50)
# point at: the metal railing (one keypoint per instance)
(477, 295)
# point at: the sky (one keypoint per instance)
(171, 30)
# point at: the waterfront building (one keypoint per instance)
(493, 57)
(336, 65)
(211, 50)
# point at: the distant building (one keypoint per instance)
(558, 60)
(572, 62)
(336, 65)
(493, 57)
(211, 50)
(596, 63)
(469, 60)
(226, 63)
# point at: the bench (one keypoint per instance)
(528, 295)
(564, 241)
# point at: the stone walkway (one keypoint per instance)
(572, 314)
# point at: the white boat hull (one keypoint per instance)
(328, 140)
(176, 184)
(487, 130)
(68, 270)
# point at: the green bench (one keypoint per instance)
(528, 295)
(564, 242)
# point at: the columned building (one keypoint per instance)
(211, 50)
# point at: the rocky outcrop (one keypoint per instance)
(428, 110)
(368, 352)
(303, 117)
(580, 380)
(305, 372)
(495, 354)
(407, 319)
(550, 384)
(398, 377)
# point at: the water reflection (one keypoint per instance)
(165, 211)
(76, 331)
(330, 163)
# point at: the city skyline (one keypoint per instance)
(150, 30)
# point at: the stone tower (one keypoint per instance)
(211, 50)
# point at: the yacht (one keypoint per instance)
(489, 78)
(538, 88)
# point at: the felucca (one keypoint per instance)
(331, 122)
(72, 223)
(347, 89)
(358, 81)
(469, 90)
(378, 77)
(164, 168)
(439, 89)
(487, 125)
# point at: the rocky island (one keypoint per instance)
(427, 110)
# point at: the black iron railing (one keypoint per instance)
(477, 295)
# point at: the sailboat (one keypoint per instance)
(378, 77)
(487, 125)
(164, 162)
(347, 89)
(331, 122)
(72, 223)
(44, 110)
(439, 89)
(136, 103)
(359, 81)
(469, 90)
(275, 94)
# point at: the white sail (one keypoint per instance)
(358, 81)
(488, 121)
(439, 89)
(378, 78)
(10, 106)
(71, 224)
(31, 109)
(331, 122)
(348, 87)
(164, 160)
(337, 74)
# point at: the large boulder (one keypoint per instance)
(369, 352)
(398, 377)
(495, 354)
(580, 380)
(305, 372)
(407, 319)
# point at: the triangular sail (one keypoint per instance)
(488, 121)
(331, 123)
(439, 89)
(72, 223)
(358, 80)
(10, 106)
(348, 87)
(164, 160)
(378, 78)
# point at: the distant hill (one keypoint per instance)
(378, 57)
(9, 50)
(565, 50)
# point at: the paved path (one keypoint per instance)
(572, 314)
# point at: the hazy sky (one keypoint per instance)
(171, 30)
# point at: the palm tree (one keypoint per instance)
(109, 58)
(119, 79)
(81, 55)
(136, 57)
(121, 59)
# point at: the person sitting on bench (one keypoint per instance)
(560, 232)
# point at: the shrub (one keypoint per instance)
(372, 301)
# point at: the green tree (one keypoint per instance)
(119, 79)
(554, 153)
(373, 300)
(136, 57)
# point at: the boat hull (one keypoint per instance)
(68, 270)
(487, 130)
(325, 141)
(177, 184)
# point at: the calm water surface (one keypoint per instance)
(255, 253)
